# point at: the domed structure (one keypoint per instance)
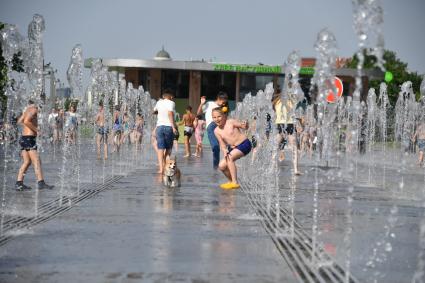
(162, 55)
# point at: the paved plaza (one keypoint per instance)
(122, 225)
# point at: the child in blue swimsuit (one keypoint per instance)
(117, 129)
(233, 142)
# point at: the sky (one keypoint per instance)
(232, 31)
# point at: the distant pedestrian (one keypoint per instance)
(285, 124)
(138, 130)
(199, 125)
(419, 137)
(117, 129)
(53, 124)
(60, 122)
(187, 121)
(71, 124)
(102, 132)
(125, 137)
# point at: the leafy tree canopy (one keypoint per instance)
(17, 65)
(396, 67)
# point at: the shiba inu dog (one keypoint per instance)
(171, 175)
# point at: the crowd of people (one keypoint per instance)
(234, 138)
(125, 130)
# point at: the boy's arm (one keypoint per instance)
(201, 106)
(240, 124)
(21, 119)
(183, 121)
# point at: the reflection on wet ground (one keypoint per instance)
(140, 230)
(134, 229)
(385, 219)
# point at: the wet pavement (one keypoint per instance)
(132, 229)
(387, 208)
(138, 230)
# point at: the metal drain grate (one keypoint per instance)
(53, 208)
(297, 248)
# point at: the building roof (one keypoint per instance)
(221, 67)
(162, 55)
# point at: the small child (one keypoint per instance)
(419, 136)
(187, 121)
(232, 142)
(304, 137)
(138, 130)
(199, 125)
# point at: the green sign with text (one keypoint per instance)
(258, 69)
(248, 68)
(307, 71)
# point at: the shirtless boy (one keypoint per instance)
(28, 143)
(187, 121)
(232, 142)
(102, 132)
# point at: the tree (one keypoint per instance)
(17, 65)
(396, 67)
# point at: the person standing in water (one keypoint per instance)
(199, 125)
(71, 125)
(102, 132)
(419, 136)
(28, 143)
(286, 126)
(207, 108)
(117, 129)
(165, 127)
(53, 123)
(138, 130)
(187, 121)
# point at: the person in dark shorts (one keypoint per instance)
(102, 132)
(28, 143)
(187, 121)
(268, 125)
(228, 133)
